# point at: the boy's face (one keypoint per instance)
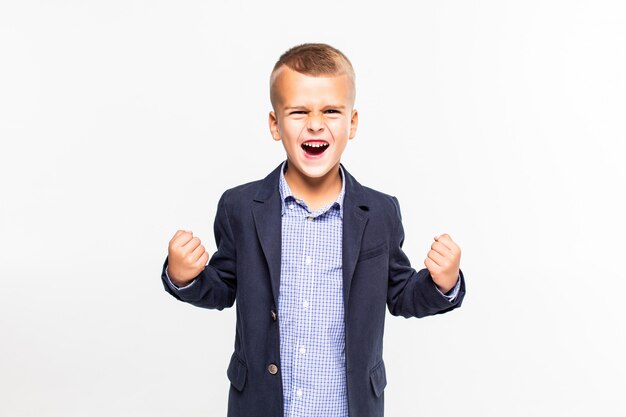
(315, 110)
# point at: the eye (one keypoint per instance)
(332, 111)
(298, 112)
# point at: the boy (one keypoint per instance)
(312, 257)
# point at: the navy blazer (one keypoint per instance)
(246, 268)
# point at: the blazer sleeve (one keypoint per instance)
(412, 293)
(215, 287)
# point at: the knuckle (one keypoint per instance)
(201, 262)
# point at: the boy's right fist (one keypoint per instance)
(186, 258)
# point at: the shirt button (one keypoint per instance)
(272, 369)
(305, 304)
(308, 260)
(310, 218)
(302, 350)
(299, 393)
(292, 206)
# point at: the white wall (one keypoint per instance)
(500, 123)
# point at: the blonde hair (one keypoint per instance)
(315, 59)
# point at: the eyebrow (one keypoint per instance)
(305, 108)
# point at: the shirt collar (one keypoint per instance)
(286, 194)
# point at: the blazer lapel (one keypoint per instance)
(355, 217)
(266, 211)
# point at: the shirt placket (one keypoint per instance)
(305, 278)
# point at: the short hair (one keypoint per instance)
(315, 59)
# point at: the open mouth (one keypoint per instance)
(315, 148)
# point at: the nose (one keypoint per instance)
(315, 123)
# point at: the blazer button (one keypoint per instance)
(273, 315)
(272, 369)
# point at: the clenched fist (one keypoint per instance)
(186, 258)
(443, 261)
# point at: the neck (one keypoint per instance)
(314, 190)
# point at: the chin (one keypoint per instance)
(316, 171)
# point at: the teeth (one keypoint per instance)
(315, 145)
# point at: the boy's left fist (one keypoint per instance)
(443, 262)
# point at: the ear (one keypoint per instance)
(273, 122)
(354, 122)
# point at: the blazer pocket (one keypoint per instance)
(378, 377)
(372, 252)
(236, 372)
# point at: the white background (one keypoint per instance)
(498, 122)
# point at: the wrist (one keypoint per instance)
(444, 289)
(180, 283)
(177, 282)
